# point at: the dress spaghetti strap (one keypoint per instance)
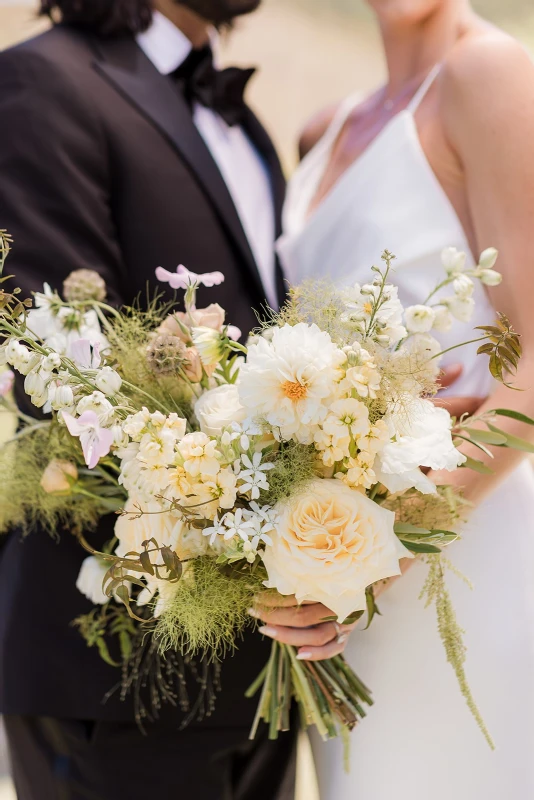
(421, 93)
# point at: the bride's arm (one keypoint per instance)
(488, 92)
(488, 113)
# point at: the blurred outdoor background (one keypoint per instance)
(311, 53)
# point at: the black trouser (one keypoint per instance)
(85, 760)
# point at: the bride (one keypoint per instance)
(442, 156)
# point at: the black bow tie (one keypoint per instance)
(222, 91)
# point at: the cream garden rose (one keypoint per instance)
(331, 543)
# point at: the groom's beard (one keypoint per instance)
(220, 12)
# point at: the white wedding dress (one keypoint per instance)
(419, 741)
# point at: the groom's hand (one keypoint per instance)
(456, 406)
(302, 626)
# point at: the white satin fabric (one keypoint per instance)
(419, 741)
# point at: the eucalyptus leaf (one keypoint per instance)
(419, 547)
(477, 466)
(506, 412)
(488, 437)
(514, 442)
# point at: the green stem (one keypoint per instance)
(455, 347)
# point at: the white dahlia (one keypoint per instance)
(292, 380)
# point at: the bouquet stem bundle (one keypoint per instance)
(328, 693)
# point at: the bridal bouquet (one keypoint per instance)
(291, 465)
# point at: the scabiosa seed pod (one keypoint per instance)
(84, 285)
(166, 354)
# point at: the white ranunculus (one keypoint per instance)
(422, 438)
(218, 409)
(488, 258)
(330, 544)
(453, 260)
(291, 380)
(59, 477)
(108, 381)
(90, 580)
(419, 318)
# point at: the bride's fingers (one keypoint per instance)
(306, 638)
(293, 616)
(333, 648)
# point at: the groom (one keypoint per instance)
(122, 148)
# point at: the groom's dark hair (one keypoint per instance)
(106, 17)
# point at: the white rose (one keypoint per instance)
(488, 258)
(90, 580)
(419, 319)
(422, 438)
(218, 408)
(108, 381)
(330, 544)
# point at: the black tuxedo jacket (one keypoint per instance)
(101, 167)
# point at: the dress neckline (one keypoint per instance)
(326, 144)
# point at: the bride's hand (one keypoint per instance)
(456, 406)
(302, 626)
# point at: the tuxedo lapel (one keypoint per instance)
(126, 68)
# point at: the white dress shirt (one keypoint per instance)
(240, 164)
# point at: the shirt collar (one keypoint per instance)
(164, 44)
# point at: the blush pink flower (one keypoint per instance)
(6, 382)
(183, 278)
(95, 440)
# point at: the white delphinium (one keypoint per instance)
(291, 380)
(419, 319)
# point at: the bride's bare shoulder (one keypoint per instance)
(484, 69)
(316, 128)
